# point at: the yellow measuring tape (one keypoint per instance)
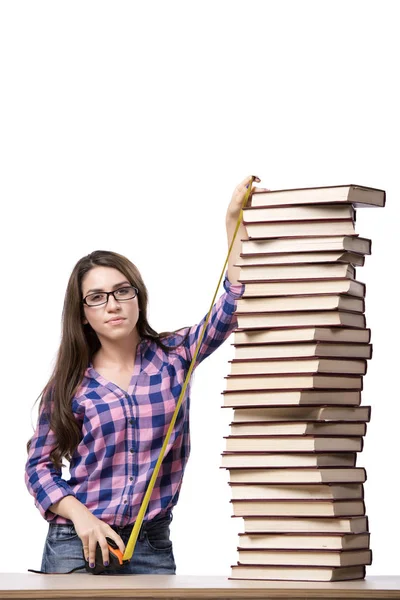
(130, 547)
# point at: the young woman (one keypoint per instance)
(107, 407)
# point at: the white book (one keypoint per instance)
(357, 195)
(308, 244)
(298, 303)
(308, 349)
(287, 272)
(302, 334)
(299, 365)
(301, 257)
(254, 214)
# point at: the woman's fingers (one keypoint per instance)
(86, 551)
(120, 544)
(117, 539)
(89, 548)
(104, 551)
(245, 183)
(92, 550)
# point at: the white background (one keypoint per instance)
(126, 126)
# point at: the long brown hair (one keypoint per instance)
(78, 345)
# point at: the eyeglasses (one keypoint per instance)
(123, 293)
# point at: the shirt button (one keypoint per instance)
(131, 450)
(130, 478)
(125, 501)
(131, 421)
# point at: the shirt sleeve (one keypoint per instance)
(221, 323)
(42, 478)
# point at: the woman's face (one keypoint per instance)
(107, 279)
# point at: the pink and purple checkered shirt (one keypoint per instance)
(122, 433)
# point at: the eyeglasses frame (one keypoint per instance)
(108, 295)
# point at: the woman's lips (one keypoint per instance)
(116, 321)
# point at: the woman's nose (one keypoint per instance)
(112, 302)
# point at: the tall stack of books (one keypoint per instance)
(301, 350)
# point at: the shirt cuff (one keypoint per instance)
(51, 495)
(236, 290)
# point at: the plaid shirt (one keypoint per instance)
(122, 433)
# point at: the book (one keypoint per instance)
(357, 195)
(352, 258)
(318, 558)
(298, 508)
(296, 229)
(296, 272)
(279, 573)
(301, 287)
(274, 366)
(298, 428)
(289, 381)
(257, 398)
(300, 303)
(360, 414)
(315, 244)
(303, 491)
(276, 460)
(299, 212)
(302, 334)
(322, 318)
(306, 350)
(303, 443)
(308, 541)
(298, 475)
(306, 525)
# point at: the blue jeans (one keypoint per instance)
(153, 552)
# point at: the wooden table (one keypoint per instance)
(171, 587)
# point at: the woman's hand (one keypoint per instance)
(91, 530)
(238, 197)
(232, 217)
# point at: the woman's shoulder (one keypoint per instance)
(85, 388)
(167, 349)
(175, 338)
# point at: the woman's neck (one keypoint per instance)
(119, 356)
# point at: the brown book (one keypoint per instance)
(301, 443)
(303, 491)
(300, 303)
(275, 366)
(357, 195)
(288, 381)
(294, 229)
(305, 525)
(302, 334)
(283, 245)
(298, 428)
(323, 318)
(299, 212)
(257, 398)
(351, 258)
(304, 286)
(298, 508)
(318, 558)
(290, 460)
(266, 573)
(348, 414)
(308, 541)
(298, 475)
(305, 350)
(296, 272)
